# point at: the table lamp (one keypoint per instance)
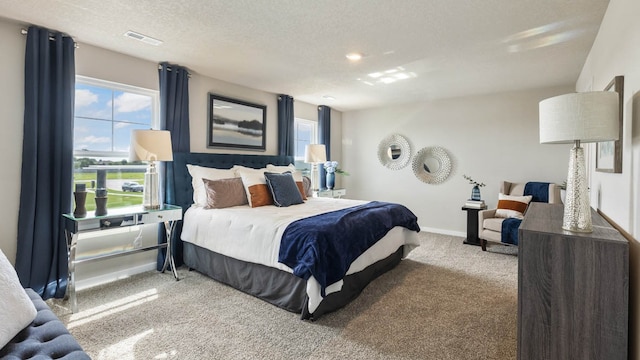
(315, 154)
(150, 146)
(575, 118)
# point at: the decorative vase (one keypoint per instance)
(80, 198)
(101, 206)
(475, 193)
(331, 180)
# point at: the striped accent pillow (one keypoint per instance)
(510, 206)
(255, 186)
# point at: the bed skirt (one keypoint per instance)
(279, 287)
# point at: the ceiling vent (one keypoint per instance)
(145, 39)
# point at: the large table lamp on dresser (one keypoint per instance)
(151, 146)
(577, 118)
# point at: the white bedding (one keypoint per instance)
(253, 235)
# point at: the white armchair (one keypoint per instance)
(490, 226)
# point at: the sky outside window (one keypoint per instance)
(105, 117)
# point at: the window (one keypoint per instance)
(304, 134)
(105, 114)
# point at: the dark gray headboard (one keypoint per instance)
(181, 193)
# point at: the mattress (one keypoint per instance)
(253, 235)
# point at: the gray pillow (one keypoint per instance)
(283, 188)
(224, 193)
(306, 181)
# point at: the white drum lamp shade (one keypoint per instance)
(315, 154)
(151, 146)
(576, 118)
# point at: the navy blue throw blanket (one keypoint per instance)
(325, 245)
(539, 192)
(509, 234)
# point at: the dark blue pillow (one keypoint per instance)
(283, 188)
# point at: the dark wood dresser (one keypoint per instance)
(573, 289)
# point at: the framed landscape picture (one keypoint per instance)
(609, 153)
(236, 124)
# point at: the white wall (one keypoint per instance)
(616, 51)
(490, 138)
(11, 120)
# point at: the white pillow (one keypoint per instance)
(200, 172)
(510, 206)
(17, 310)
(297, 175)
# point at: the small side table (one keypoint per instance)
(117, 218)
(472, 225)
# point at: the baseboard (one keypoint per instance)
(443, 231)
(106, 278)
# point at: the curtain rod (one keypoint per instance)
(169, 69)
(25, 32)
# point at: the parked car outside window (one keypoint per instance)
(132, 186)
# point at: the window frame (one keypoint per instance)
(314, 133)
(155, 111)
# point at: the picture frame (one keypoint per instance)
(236, 124)
(609, 153)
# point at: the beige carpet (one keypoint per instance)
(445, 301)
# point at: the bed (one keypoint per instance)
(219, 250)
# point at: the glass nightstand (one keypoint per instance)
(115, 219)
(334, 193)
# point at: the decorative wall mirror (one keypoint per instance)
(394, 152)
(432, 165)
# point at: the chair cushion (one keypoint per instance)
(510, 206)
(494, 224)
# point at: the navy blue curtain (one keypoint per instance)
(174, 116)
(286, 146)
(47, 162)
(324, 137)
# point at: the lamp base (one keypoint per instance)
(150, 199)
(577, 210)
(315, 177)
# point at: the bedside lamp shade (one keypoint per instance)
(151, 146)
(575, 118)
(315, 154)
(588, 117)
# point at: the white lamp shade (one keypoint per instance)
(150, 145)
(588, 117)
(315, 153)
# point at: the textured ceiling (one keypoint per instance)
(431, 48)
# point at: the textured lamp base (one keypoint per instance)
(150, 198)
(577, 210)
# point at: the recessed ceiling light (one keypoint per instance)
(144, 38)
(328, 97)
(354, 56)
